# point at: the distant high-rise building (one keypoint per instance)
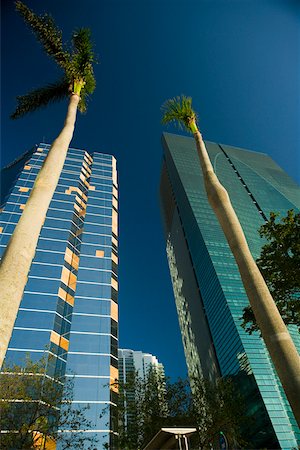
(69, 308)
(208, 290)
(132, 361)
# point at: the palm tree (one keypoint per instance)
(76, 83)
(274, 332)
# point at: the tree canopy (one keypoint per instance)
(34, 407)
(279, 263)
(152, 404)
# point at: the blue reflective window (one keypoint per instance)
(34, 319)
(29, 339)
(89, 343)
(42, 285)
(52, 245)
(93, 290)
(88, 365)
(91, 389)
(94, 262)
(90, 306)
(46, 270)
(50, 256)
(91, 324)
(94, 276)
(38, 301)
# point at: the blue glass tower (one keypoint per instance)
(69, 307)
(208, 291)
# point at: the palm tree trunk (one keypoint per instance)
(274, 332)
(20, 251)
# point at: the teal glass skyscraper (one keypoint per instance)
(69, 308)
(208, 291)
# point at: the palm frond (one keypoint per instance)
(77, 64)
(81, 67)
(179, 110)
(83, 58)
(41, 97)
(47, 33)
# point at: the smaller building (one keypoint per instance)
(135, 368)
(132, 361)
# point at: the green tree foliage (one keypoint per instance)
(141, 405)
(153, 404)
(34, 406)
(279, 262)
(216, 408)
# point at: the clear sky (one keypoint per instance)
(239, 60)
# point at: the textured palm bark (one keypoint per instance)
(274, 332)
(17, 259)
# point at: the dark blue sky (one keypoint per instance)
(239, 60)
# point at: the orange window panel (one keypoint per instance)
(71, 258)
(84, 197)
(115, 192)
(68, 255)
(115, 222)
(64, 343)
(70, 299)
(75, 261)
(100, 253)
(86, 167)
(65, 296)
(55, 337)
(115, 202)
(114, 171)
(114, 311)
(71, 189)
(114, 284)
(23, 189)
(22, 206)
(114, 373)
(40, 149)
(114, 258)
(92, 188)
(76, 207)
(1, 229)
(65, 275)
(88, 156)
(27, 167)
(80, 201)
(85, 172)
(114, 241)
(62, 293)
(72, 280)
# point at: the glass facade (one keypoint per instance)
(70, 304)
(208, 291)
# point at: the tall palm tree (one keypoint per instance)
(76, 83)
(274, 332)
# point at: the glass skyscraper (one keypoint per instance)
(208, 290)
(70, 304)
